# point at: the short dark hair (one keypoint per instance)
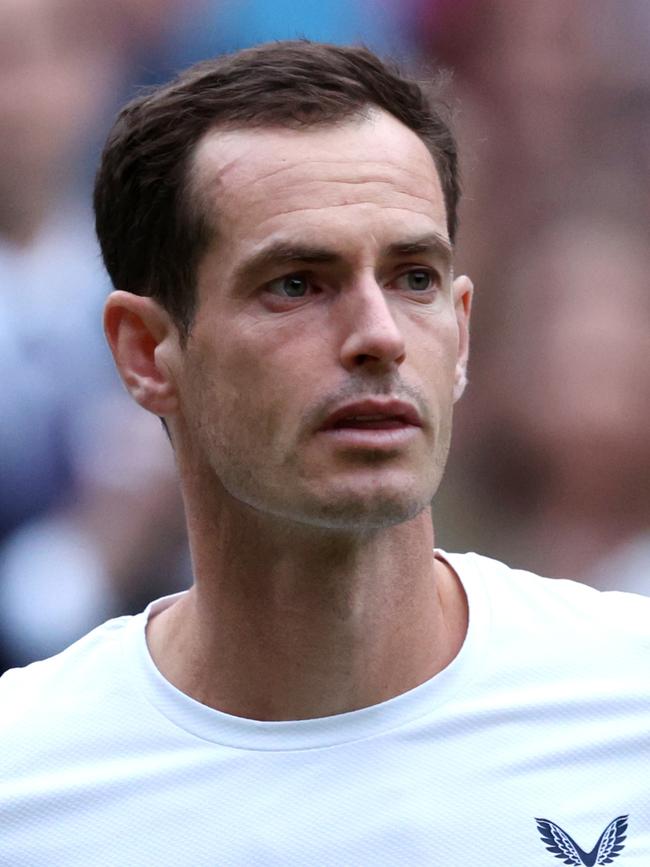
(152, 234)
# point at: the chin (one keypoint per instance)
(355, 513)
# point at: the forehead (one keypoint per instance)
(256, 181)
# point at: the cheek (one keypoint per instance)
(279, 357)
(433, 351)
(247, 389)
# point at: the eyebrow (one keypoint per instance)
(431, 244)
(281, 252)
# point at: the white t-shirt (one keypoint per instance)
(533, 742)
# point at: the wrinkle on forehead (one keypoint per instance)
(315, 193)
(252, 180)
(253, 174)
(306, 209)
(333, 165)
(256, 154)
(345, 171)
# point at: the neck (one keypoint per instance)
(291, 622)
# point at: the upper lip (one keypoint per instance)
(393, 409)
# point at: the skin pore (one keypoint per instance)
(329, 282)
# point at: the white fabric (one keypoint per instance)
(544, 714)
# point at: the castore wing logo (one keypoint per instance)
(608, 847)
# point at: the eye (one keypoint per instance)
(291, 286)
(417, 280)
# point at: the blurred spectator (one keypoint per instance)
(52, 90)
(63, 565)
(562, 409)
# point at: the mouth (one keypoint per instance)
(373, 424)
(373, 414)
(378, 422)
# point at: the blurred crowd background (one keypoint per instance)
(550, 463)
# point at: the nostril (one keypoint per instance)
(372, 346)
(364, 359)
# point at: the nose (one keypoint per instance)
(371, 335)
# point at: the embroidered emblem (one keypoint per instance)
(608, 847)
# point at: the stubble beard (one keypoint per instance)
(283, 491)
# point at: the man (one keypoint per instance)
(279, 227)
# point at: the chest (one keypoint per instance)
(478, 791)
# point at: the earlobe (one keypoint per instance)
(463, 292)
(460, 382)
(137, 329)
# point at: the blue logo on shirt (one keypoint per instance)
(608, 847)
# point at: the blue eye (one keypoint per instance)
(292, 286)
(417, 280)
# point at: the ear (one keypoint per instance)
(463, 292)
(145, 344)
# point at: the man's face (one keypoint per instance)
(327, 291)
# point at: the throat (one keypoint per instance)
(295, 662)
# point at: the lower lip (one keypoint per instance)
(372, 438)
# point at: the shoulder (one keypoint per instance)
(560, 604)
(39, 692)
